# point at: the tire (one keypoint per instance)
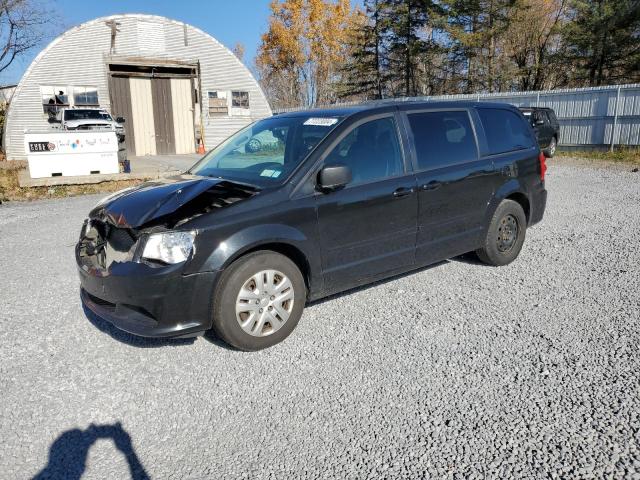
(550, 151)
(250, 326)
(502, 244)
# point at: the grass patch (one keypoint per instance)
(619, 155)
(11, 190)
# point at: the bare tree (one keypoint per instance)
(238, 51)
(22, 27)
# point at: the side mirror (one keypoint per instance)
(333, 177)
(120, 119)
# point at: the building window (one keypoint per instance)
(240, 100)
(218, 104)
(85, 96)
(53, 100)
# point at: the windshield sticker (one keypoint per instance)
(270, 173)
(321, 121)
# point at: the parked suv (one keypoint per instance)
(254, 230)
(546, 126)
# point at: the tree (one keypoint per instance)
(22, 27)
(365, 73)
(477, 30)
(603, 38)
(238, 51)
(408, 45)
(533, 42)
(300, 55)
(281, 56)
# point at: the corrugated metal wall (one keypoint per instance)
(587, 115)
(80, 56)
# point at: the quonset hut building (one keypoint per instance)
(172, 83)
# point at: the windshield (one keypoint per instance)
(266, 152)
(86, 115)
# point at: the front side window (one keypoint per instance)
(266, 152)
(442, 138)
(505, 130)
(88, 114)
(371, 150)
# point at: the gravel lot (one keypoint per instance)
(457, 371)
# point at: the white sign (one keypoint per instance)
(321, 121)
(71, 153)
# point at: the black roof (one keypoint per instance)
(372, 106)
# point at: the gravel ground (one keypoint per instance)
(457, 371)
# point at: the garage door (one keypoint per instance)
(142, 113)
(182, 106)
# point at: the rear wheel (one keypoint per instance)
(550, 151)
(258, 301)
(505, 235)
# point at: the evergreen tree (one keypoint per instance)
(407, 44)
(365, 73)
(603, 38)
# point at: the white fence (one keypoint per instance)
(598, 116)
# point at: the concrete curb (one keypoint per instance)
(24, 180)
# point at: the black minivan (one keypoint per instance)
(303, 205)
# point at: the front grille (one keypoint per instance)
(120, 239)
(103, 244)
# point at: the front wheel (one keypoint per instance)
(258, 301)
(505, 235)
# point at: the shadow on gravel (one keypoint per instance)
(211, 337)
(470, 258)
(68, 453)
(377, 283)
(133, 340)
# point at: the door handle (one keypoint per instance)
(433, 185)
(402, 192)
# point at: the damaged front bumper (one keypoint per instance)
(142, 295)
(144, 298)
(150, 301)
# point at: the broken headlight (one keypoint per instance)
(169, 247)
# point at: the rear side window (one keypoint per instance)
(442, 138)
(505, 130)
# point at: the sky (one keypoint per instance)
(228, 21)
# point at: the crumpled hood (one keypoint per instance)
(137, 206)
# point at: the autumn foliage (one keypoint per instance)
(304, 48)
(320, 51)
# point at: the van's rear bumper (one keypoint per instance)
(538, 205)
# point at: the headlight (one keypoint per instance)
(169, 247)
